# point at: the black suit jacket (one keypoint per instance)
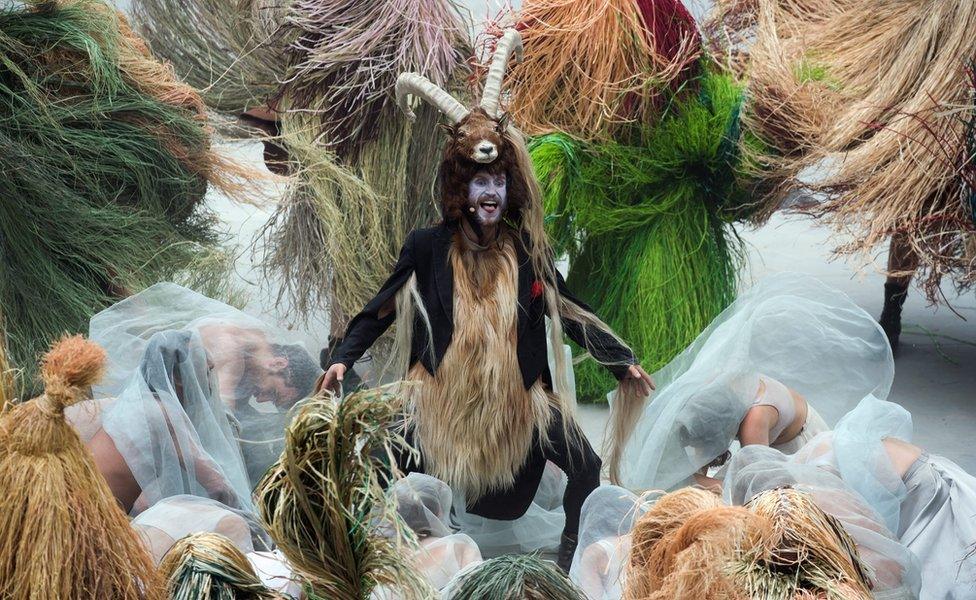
(426, 254)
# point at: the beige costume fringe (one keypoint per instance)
(878, 89)
(475, 421)
(781, 546)
(62, 534)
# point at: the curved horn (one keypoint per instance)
(418, 85)
(511, 41)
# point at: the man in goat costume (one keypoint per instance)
(470, 297)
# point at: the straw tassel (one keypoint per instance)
(62, 534)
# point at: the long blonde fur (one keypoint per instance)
(475, 421)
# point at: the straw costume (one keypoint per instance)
(878, 97)
(323, 502)
(363, 173)
(635, 142)
(317, 79)
(471, 330)
(780, 546)
(107, 159)
(62, 535)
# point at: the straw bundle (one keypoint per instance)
(645, 225)
(665, 517)
(62, 534)
(781, 546)
(594, 68)
(804, 549)
(323, 502)
(365, 176)
(109, 158)
(223, 48)
(516, 577)
(335, 236)
(208, 566)
(875, 89)
(687, 563)
(345, 56)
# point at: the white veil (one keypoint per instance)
(790, 327)
(855, 451)
(894, 570)
(179, 430)
(424, 504)
(606, 521)
(538, 530)
(176, 517)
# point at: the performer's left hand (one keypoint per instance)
(636, 375)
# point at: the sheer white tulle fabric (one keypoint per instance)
(538, 530)
(790, 327)
(176, 517)
(180, 428)
(424, 504)
(855, 451)
(894, 570)
(607, 519)
(931, 506)
(275, 573)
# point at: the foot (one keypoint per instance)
(567, 548)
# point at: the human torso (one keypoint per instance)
(475, 420)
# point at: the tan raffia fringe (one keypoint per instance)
(62, 533)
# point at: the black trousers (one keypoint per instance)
(571, 452)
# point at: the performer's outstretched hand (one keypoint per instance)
(332, 378)
(636, 375)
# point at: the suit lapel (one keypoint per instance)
(443, 272)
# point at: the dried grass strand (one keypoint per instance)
(62, 534)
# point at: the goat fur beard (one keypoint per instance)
(475, 421)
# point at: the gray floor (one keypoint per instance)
(935, 374)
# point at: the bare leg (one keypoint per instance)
(902, 262)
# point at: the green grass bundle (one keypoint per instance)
(516, 577)
(208, 566)
(106, 159)
(646, 226)
(323, 501)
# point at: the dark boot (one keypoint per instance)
(567, 548)
(890, 320)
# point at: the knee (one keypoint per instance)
(586, 465)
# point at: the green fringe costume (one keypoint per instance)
(102, 185)
(646, 224)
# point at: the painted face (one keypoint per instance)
(487, 198)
